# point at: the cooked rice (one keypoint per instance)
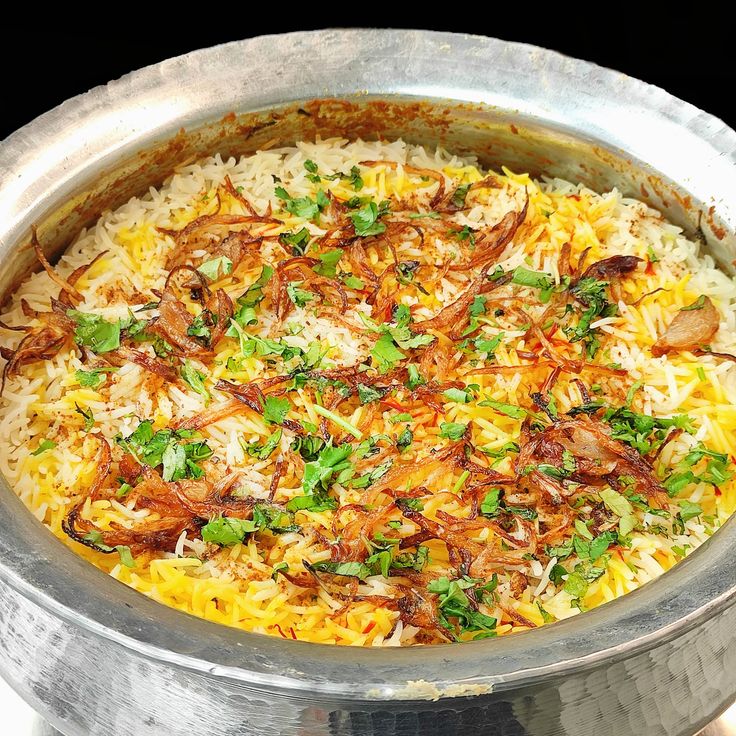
(234, 585)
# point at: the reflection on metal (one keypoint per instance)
(723, 726)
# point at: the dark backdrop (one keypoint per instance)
(690, 55)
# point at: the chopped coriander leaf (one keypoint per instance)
(454, 603)
(254, 294)
(328, 263)
(94, 332)
(43, 446)
(348, 569)
(407, 340)
(161, 448)
(551, 470)
(416, 561)
(615, 502)
(699, 303)
(126, 558)
(700, 451)
(124, 490)
(95, 538)
(491, 503)
(299, 297)
(478, 306)
(515, 412)
(415, 504)
(642, 432)
(459, 196)
(273, 519)
(405, 273)
(310, 166)
(591, 292)
(254, 345)
(404, 440)
(631, 393)
(195, 379)
(561, 551)
(89, 417)
(575, 585)
(386, 354)
(201, 324)
(369, 478)
(304, 207)
(501, 451)
(414, 378)
(489, 347)
(369, 394)
(475, 310)
(557, 573)
(330, 463)
(466, 234)
(689, 510)
(590, 408)
(352, 282)
(227, 531)
(279, 567)
(314, 503)
(592, 548)
(299, 241)
(365, 220)
(263, 451)
(94, 377)
(400, 333)
(147, 306)
(458, 395)
(403, 417)
(522, 512)
(453, 430)
(215, 267)
(275, 409)
(582, 529)
(354, 178)
(534, 279)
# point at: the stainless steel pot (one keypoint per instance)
(95, 657)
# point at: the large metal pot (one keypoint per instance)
(95, 657)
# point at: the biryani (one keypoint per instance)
(370, 394)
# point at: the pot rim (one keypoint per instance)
(142, 107)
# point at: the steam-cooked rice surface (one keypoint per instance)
(471, 498)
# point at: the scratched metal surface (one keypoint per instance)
(97, 658)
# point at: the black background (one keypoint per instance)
(691, 55)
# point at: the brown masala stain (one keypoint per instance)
(718, 231)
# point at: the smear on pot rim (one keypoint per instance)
(371, 394)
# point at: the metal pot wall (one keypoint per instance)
(95, 657)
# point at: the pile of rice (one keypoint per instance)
(235, 585)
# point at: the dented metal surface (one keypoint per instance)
(96, 657)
